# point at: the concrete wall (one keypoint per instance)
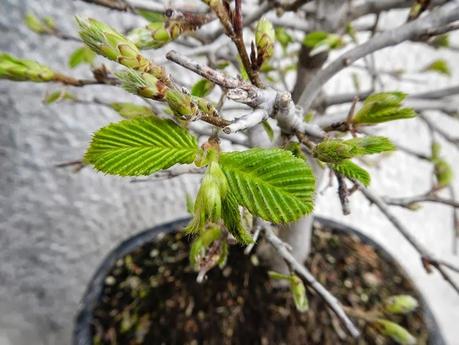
(55, 226)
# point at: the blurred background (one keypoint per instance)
(56, 226)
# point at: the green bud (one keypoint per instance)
(335, 150)
(181, 104)
(35, 24)
(400, 304)
(130, 110)
(202, 243)
(16, 69)
(441, 41)
(438, 66)
(443, 172)
(299, 293)
(208, 204)
(265, 37)
(396, 332)
(106, 41)
(142, 84)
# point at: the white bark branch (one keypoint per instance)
(413, 30)
(282, 249)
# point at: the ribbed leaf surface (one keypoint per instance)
(271, 184)
(140, 146)
(351, 170)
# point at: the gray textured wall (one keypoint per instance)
(55, 227)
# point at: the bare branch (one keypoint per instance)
(408, 201)
(413, 30)
(428, 259)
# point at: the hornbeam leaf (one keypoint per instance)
(383, 107)
(352, 171)
(232, 219)
(140, 146)
(336, 150)
(270, 183)
(394, 331)
(439, 66)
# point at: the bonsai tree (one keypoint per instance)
(283, 141)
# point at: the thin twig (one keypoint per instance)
(427, 258)
(300, 269)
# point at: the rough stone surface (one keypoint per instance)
(55, 227)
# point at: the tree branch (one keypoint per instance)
(413, 30)
(329, 299)
(427, 258)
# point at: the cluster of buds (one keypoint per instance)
(213, 189)
(174, 24)
(265, 38)
(181, 104)
(336, 150)
(106, 41)
(40, 26)
(16, 69)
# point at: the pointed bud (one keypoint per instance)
(106, 41)
(13, 68)
(394, 331)
(142, 84)
(299, 293)
(400, 304)
(264, 39)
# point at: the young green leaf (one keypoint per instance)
(441, 41)
(232, 219)
(151, 16)
(131, 110)
(140, 146)
(336, 150)
(320, 42)
(265, 38)
(299, 293)
(438, 66)
(383, 107)
(283, 37)
(270, 183)
(57, 96)
(442, 170)
(352, 171)
(82, 55)
(400, 304)
(394, 331)
(202, 88)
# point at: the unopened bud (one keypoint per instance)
(13, 68)
(394, 331)
(400, 304)
(264, 39)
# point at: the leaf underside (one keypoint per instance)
(140, 146)
(272, 184)
(351, 170)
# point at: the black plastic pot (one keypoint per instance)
(82, 334)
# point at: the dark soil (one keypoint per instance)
(151, 297)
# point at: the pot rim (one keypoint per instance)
(82, 324)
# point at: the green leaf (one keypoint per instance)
(352, 171)
(439, 66)
(383, 107)
(336, 150)
(83, 55)
(152, 16)
(140, 146)
(202, 88)
(131, 110)
(394, 331)
(268, 129)
(299, 293)
(321, 42)
(283, 37)
(232, 219)
(57, 96)
(270, 183)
